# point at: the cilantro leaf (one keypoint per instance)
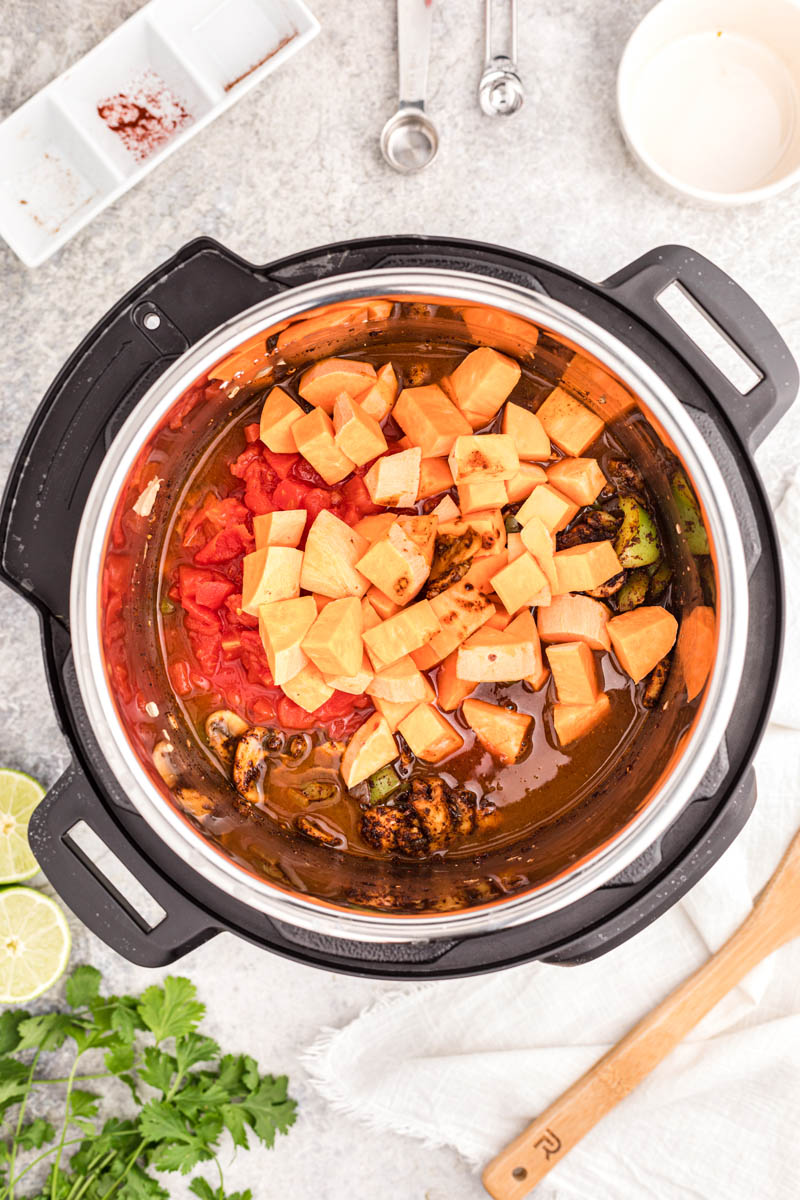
(9, 1024)
(34, 1135)
(202, 1188)
(268, 1109)
(83, 986)
(193, 1048)
(47, 1031)
(159, 1069)
(119, 1057)
(83, 1103)
(171, 1011)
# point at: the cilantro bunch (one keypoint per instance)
(186, 1094)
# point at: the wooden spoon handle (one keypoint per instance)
(546, 1141)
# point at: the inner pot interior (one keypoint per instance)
(547, 830)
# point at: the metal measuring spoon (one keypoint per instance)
(500, 91)
(409, 140)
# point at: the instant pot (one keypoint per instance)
(605, 870)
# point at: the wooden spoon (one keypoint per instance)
(774, 920)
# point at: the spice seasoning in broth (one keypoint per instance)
(412, 807)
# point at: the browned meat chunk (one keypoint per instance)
(421, 819)
(627, 479)
(655, 683)
(452, 558)
(609, 588)
(316, 832)
(596, 526)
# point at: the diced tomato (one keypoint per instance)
(246, 458)
(179, 677)
(281, 464)
(290, 494)
(292, 716)
(225, 545)
(236, 614)
(263, 710)
(315, 501)
(252, 433)
(212, 592)
(254, 659)
(260, 481)
(355, 493)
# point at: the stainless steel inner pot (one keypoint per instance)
(614, 368)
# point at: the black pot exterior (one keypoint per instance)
(193, 293)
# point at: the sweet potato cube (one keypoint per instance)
(580, 479)
(420, 532)
(356, 684)
(450, 690)
(395, 566)
(641, 638)
(329, 317)
(519, 583)
(488, 325)
(446, 509)
(394, 479)
(282, 627)
(425, 657)
(553, 509)
(397, 636)
(429, 419)
(539, 678)
(574, 619)
(483, 457)
(495, 656)
(541, 543)
(369, 614)
(371, 747)
(313, 435)
(500, 619)
(499, 730)
(472, 497)
(434, 477)
(695, 650)
(573, 721)
(583, 567)
(321, 601)
(322, 383)
(378, 400)
(278, 416)
(520, 486)
(329, 563)
(430, 736)
(487, 524)
(308, 688)
(527, 431)
(382, 605)
(461, 610)
(481, 383)
(401, 681)
(270, 574)
(514, 546)
(374, 526)
(356, 433)
(574, 673)
(397, 711)
(483, 570)
(571, 425)
(333, 643)
(283, 528)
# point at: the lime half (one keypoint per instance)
(19, 795)
(34, 944)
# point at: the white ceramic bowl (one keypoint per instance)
(708, 96)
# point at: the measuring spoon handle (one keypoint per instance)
(414, 18)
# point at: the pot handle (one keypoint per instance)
(90, 894)
(737, 318)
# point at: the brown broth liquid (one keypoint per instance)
(544, 784)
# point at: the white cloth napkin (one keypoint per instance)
(468, 1063)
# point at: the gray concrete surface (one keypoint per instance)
(295, 164)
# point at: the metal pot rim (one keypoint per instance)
(662, 808)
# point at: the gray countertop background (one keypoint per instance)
(293, 165)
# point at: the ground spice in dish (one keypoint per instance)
(283, 42)
(145, 115)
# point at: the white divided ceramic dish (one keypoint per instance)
(62, 162)
(708, 97)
